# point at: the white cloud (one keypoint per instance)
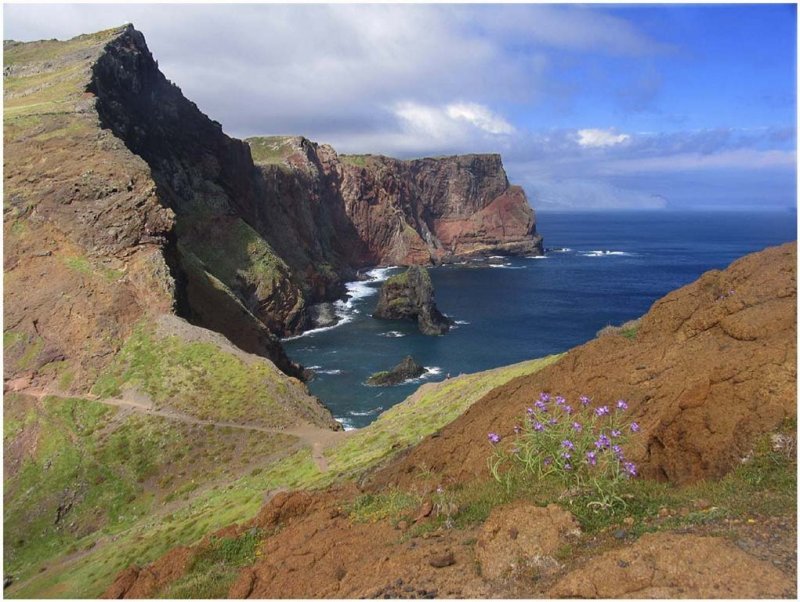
(479, 116)
(592, 138)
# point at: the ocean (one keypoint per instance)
(599, 269)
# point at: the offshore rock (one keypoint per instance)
(403, 371)
(409, 296)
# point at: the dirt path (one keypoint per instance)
(316, 438)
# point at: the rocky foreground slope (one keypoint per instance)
(710, 374)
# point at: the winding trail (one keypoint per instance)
(317, 439)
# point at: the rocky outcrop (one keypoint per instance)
(523, 536)
(712, 366)
(409, 296)
(665, 565)
(403, 371)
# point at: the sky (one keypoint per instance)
(591, 106)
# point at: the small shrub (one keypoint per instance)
(581, 447)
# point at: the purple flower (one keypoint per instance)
(602, 441)
(621, 405)
(568, 444)
(635, 427)
(567, 466)
(530, 410)
(544, 397)
(584, 400)
(538, 426)
(630, 468)
(552, 421)
(548, 461)
(567, 409)
(616, 433)
(591, 458)
(566, 455)
(494, 438)
(560, 401)
(617, 450)
(576, 426)
(540, 405)
(602, 411)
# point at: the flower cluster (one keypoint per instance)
(581, 444)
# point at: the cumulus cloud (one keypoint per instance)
(479, 116)
(592, 138)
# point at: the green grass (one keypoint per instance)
(213, 570)
(114, 473)
(271, 149)
(372, 507)
(200, 379)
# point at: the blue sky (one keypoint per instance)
(594, 106)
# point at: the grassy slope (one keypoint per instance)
(200, 379)
(146, 538)
(79, 471)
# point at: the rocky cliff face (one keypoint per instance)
(111, 170)
(393, 212)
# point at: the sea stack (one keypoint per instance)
(409, 296)
(402, 372)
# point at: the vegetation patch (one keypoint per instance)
(370, 508)
(198, 378)
(629, 329)
(213, 570)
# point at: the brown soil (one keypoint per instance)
(712, 366)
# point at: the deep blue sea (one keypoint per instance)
(609, 268)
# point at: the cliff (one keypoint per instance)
(394, 212)
(113, 173)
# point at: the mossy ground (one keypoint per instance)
(146, 537)
(199, 379)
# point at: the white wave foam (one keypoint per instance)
(432, 371)
(345, 309)
(602, 253)
(497, 256)
(346, 423)
(536, 257)
(329, 372)
(461, 322)
(562, 250)
(392, 334)
(507, 266)
(368, 412)
(313, 367)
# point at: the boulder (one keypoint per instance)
(521, 536)
(666, 565)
